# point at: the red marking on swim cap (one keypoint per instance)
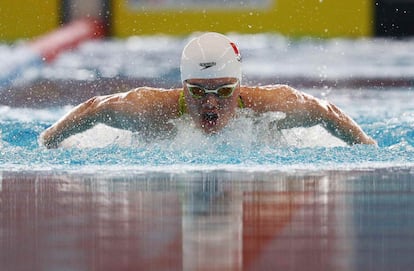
(236, 50)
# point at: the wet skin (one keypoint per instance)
(211, 113)
(146, 109)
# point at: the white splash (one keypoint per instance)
(247, 131)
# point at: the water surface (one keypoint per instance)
(207, 220)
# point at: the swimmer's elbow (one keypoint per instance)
(93, 104)
(93, 110)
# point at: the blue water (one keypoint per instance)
(386, 115)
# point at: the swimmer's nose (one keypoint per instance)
(211, 101)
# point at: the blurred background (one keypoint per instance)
(123, 18)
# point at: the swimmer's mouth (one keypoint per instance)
(210, 116)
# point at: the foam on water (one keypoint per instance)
(245, 132)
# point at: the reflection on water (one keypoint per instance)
(207, 221)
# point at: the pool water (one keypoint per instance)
(247, 144)
(207, 220)
(249, 198)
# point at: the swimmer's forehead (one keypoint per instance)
(212, 81)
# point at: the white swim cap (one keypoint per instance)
(211, 55)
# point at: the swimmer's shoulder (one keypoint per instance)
(152, 101)
(155, 94)
(258, 97)
(253, 90)
(144, 98)
(156, 91)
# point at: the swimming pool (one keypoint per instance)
(111, 199)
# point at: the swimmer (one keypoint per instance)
(211, 93)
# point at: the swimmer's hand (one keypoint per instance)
(369, 141)
(45, 139)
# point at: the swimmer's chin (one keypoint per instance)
(211, 127)
(210, 130)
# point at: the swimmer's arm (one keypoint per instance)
(340, 124)
(133, 110)
(304, 110)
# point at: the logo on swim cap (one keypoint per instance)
(207, 65)
(211, 55)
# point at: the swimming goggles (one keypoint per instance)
(224, 91)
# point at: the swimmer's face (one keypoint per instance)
(211, 102)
